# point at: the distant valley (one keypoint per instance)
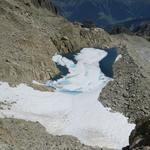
(104, 12)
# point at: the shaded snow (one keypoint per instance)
(73, 108)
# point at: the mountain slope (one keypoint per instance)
(26, 135)
(31, 35)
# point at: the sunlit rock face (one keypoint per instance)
(73, 109)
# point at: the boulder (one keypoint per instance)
(140, 136)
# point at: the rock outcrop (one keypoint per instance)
(121, 29)
(142, 30)
(140, 136)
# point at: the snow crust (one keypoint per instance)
(73, 109)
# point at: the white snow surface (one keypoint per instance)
(73, 109)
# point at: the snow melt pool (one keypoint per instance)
(73, 109)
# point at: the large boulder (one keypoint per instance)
(140, 136)
(26, 135)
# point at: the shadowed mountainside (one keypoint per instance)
(104, 12)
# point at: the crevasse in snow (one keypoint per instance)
(73, 109)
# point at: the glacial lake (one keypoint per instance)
(106, 64)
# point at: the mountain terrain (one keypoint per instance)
(26, 135)
(32, 31)
(142, 29)
(104, 12)
(32, 34)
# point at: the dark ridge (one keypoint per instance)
(120, 29)
(105, 13)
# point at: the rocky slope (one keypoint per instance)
(129, 92)
(31, 35)
(32, 32)
(23, 135)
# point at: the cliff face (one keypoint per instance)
(31, 35)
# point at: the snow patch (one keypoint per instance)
(118, 57)
(73, 109)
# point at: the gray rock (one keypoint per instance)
(25, 135)
(140, 136)
(129, 93)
